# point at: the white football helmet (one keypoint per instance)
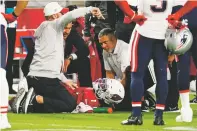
(109, 90)
(178, 41)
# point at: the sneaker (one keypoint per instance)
(172, 109)
(158, 121)
(133, 121)
(82, 108)
(145, 107)
(28, 103)
(17, 100)
(194, 101)
(185, 116)
(4, 124)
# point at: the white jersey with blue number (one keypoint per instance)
(132, 2)
(156, 12)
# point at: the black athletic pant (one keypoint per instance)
(173, 90)
(11, 32)
(82, 67)
(56, 98)
(100, 53)
(26, 63)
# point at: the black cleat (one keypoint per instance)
(172, 109)
(133, 121)
(158, 121)
(194, 101)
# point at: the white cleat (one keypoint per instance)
(23, 84)
(186, 115)
(5, 125)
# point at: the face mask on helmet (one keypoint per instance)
(178, 41)
(109, 90)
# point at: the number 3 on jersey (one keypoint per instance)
(160, 7)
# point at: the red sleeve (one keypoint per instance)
(124, 6)
(189, 5)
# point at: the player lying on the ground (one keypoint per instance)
(111, 91)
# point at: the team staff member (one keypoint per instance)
(116, 60)
(46, 69)
(77, 61)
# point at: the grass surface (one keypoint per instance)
(93, 122)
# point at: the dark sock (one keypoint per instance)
(136, 111)
(158, 113)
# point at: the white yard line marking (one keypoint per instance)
(181, 128)
(61, 130)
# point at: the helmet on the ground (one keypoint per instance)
(109, 90)
(52, 8)
(178, 41)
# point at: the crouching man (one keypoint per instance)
(116, 62)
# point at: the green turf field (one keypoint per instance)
(94, 122)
